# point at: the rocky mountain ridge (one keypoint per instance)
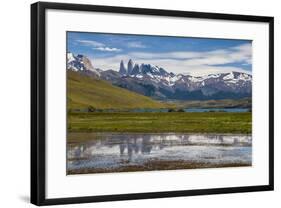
(156, 82)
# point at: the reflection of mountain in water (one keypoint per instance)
(110, 151)
(144, 144)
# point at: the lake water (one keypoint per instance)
(199, 110)
(108, 152)
(231, 110)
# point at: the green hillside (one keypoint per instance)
(84, 91)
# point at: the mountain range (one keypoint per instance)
(155, 82)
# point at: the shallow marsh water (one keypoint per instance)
(116, 152)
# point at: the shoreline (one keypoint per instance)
(97, 135)
(158, 165)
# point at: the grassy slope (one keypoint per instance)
(217, 122)
(85, 91)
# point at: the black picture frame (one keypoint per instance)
(38, 105)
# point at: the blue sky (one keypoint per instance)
(197, 56)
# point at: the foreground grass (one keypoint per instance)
(210, 122)
(157, 165)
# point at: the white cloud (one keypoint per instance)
(98, 45)
(107, 49)
(235, 54)
(91, 43)
(196, 63)
(136, 44)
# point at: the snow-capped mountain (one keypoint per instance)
(158, 74)
(136, 70)
(156, 82)
(80, 63)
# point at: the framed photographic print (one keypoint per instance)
(131, 103)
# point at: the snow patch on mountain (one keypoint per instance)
(80, 63)
(196, 79)
(229, 76)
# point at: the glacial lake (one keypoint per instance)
(119, 152)
(199, 110)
